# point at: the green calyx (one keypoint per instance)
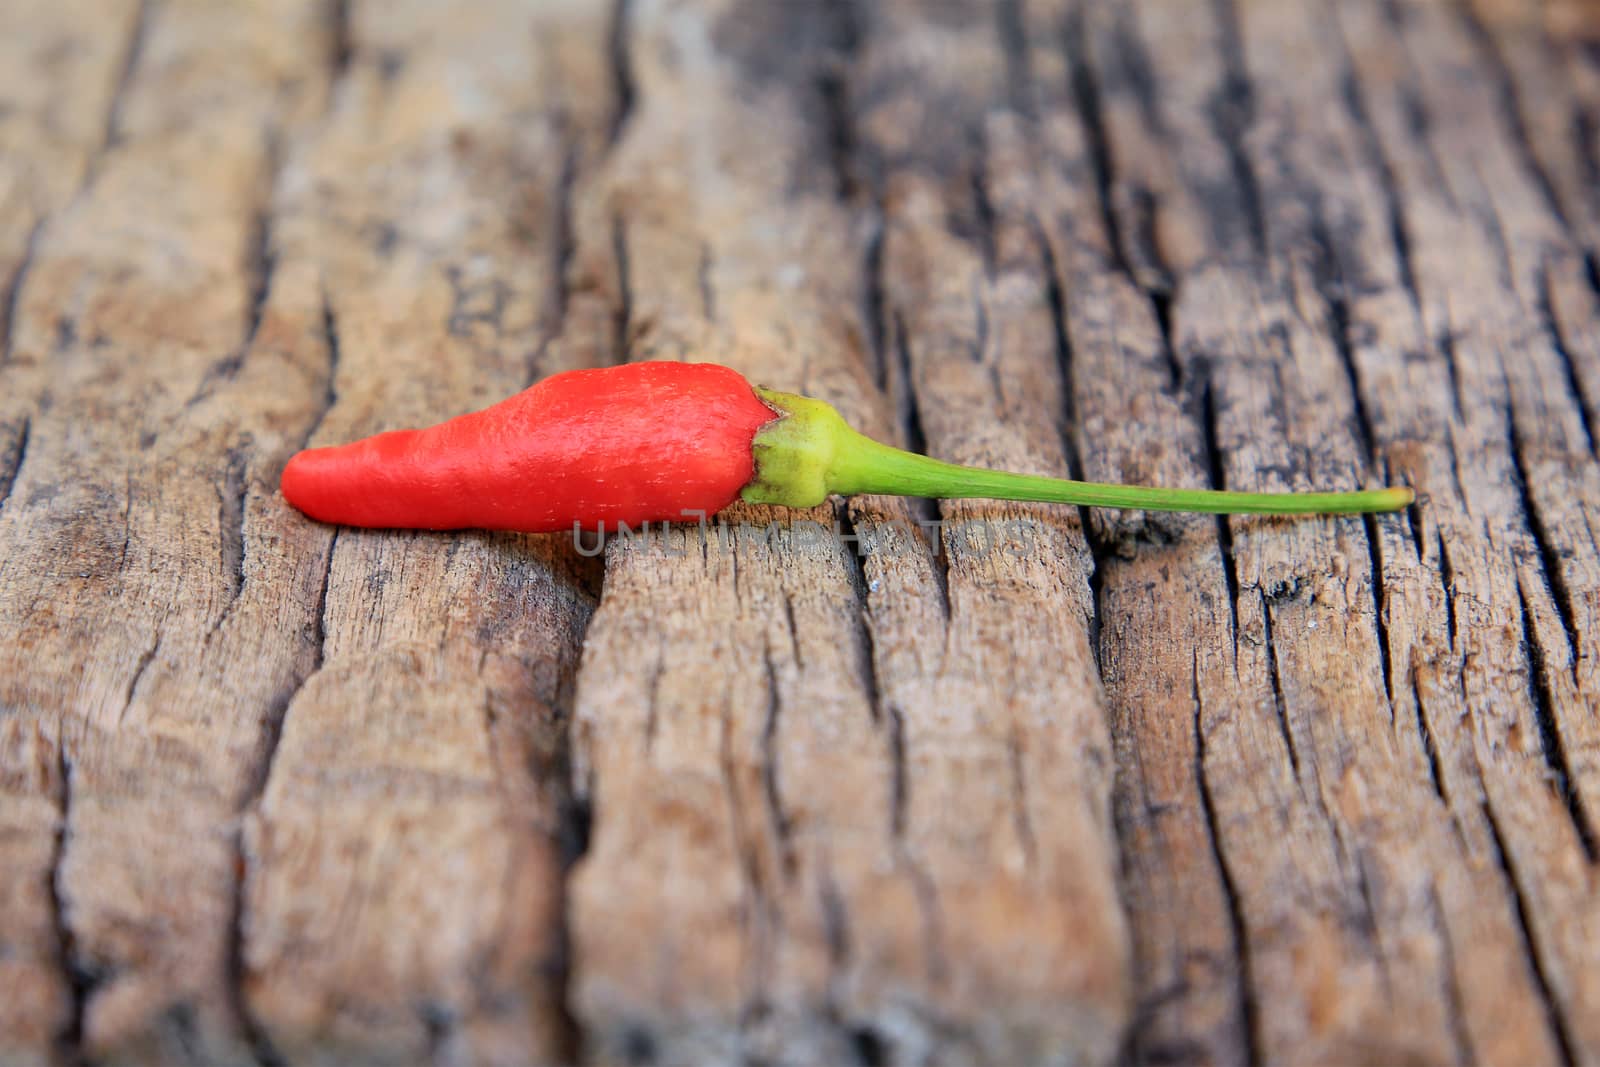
(810, 452)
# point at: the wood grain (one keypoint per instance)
(886, 781)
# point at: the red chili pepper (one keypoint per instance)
(655, 442)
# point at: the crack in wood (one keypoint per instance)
(1455, 1006)
(1430, 747)
(133, 52)
(1249, 1008)
(330, 390)
(1275, 677)
(12, 297)
(564, 248)
(843, 21)
(1545, 309)
(772, 792)
(1380, 607)
(1021, 821)
(260, 262)
(231, 497)
(251, 1029)
(1566, 1044)
(1332, 286)
(1231, 111)
(146, 658)
(341, 39)
(11, 466)
(1356, 109)
(619, 56)
(622, 323)
(1216, 478)
(1447, 580)
(759, 914)
(68, 1050)
(1509, 101)
(1551, 742)
(1549, 558)
(704, 271)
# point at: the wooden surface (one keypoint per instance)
(1112, 788)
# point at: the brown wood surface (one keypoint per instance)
(837, 786)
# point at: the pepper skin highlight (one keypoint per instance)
(657, 442)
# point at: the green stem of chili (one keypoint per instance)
(812, 451)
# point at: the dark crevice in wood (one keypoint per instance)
(1086, 99)
(80, 979)
(1430, 747)
(330, 389)
(1419, 124)
(259, 262)
(146, 658)
(1380, 606)
(13, 293)
(1161, 304)
(1556, 1018)
(251, 1029)
(1447, 579)
(1231, 111)
(926, 513)
(619, 52)
(873, 307)
(927, 894)
(440, 1026)
(127, 521)
(1216, 478)
(1586, 146)
(1415, 527)
(1355, 105)
(771, 787)
(1138, 242)
(911, 416)
(1011, 31)
(1569, 363)
(759, 917)
(1021, 821)
(622, 323)
(11, 466)
(1509, 101)
(899, 784)
(341, 38)
(1249, 1009)
(833, 92)
(1549, 557)
(851, 544)
(231, 496)
(835, 927)
(255, 787)
(1446, 343)
(983, 210)
(1275, 676)
(564, 246)
(132, 52)
(703, 275)
(1098, 549)
(1551, 743)
(1455, 1006)
(1332, 286)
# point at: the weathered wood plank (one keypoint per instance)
(1113, 786)
(417, 780)
(122, 558)
(788, 860)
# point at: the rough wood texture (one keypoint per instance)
(1032, 785)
